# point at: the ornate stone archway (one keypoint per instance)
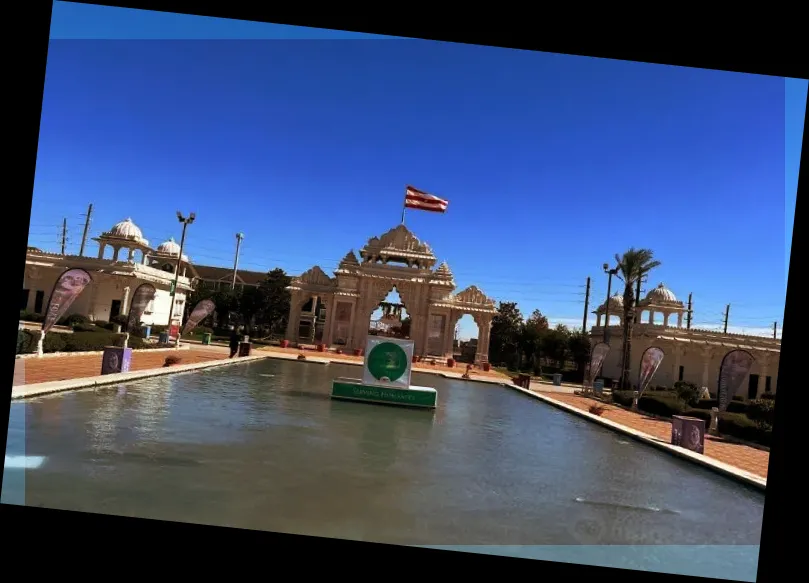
(398, 260)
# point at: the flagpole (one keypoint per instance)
(404, 206)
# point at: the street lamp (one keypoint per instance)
(185, 222)
(610, 273)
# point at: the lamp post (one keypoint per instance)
(610, 273)
(185, 222)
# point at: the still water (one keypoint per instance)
(260, 445)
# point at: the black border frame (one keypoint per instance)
(732, 44)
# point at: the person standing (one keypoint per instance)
(235, 339)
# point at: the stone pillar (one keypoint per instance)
(350, 335)
(292, 322)
(328, 327)
(764, 365)
(484, 333)
(101, 247)
(598, 320)
(131, 256)
(125, 301)
(651, 316)
(115, 251)
(706, 366)
(679, 319)
(666, 319)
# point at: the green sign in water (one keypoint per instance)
(387, 362)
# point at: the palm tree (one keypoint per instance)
(633, 265)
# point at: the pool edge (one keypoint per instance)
(727, 470)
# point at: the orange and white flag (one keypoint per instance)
(418, 199)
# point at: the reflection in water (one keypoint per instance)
(261, 445)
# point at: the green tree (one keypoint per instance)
(226, 301)
(633, 266)
(505, 333)
(579, 346)
(275, 300)
(555, 344)
(251, 302)
(537, 321)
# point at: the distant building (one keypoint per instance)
(691, 355)
(222, 277)
(115, 278)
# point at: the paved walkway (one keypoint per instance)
(439, 366)
(29, 371)
(741, 456)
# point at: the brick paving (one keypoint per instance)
(738, 455)
(69, 367)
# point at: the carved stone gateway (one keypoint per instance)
(396, 260)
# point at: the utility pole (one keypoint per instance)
(775, 330)
(586, 306)
(185, 222)
(64, 235)
(688, 313)
(637, 291)
(727, 317)
(239, 237)
(86, 229)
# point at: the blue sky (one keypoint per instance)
(552, 164)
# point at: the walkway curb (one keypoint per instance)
(40, 389)
(29, 355)
(720, 467)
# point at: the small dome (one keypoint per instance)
(661, 294)
(127, 230)
(170, 248)
(616, 304)
(443, 271)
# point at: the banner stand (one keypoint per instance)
(126, 339)
(177, 341)
(41, 344)
(635, 397)
(714, 427)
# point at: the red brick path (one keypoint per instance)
(62, 368)
(740, 456)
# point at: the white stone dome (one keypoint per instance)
(127, 230)
(171, 249)
(616, 304)
(661, 294)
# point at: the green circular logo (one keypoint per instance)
(387, 361)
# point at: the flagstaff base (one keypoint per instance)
(356, 390)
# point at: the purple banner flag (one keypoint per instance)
(201, 311)
(649, 363)
(734, 370)
(67, 288)
(597, 356)
(140, 299)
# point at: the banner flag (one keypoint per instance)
(420, 200)
(597, 356)
(649, 363)
(201, 311)
(65, 291)
(144, 294)
(734, 370)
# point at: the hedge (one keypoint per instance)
(663, 404)
(76, 342)
(623, 397)
(741, 427)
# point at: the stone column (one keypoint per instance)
(292, 321)
(125, 301)
(131, 256)
(101, 247)
(446, 341)
(115, 251)
(666, 319)
(651, 316)
(484, 329)
(707, 354)
(598, 320)
(679, 319)
(764, 361)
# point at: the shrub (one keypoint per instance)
(741, 427)
(699, 414)
(597, 410)
(688, 393)
(737, 406)
(658, 404)
(769, 396)
(74, 320)
(738, 398)
(172, 360)
(623, 397)
(31, 316)
(762, 411)
(84, 327)
(103, 325)
(91, 341)
(706, 404)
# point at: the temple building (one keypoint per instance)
(124, 261)
(336, 311)
(691, 354)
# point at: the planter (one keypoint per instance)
(358, 352)
(451, 362)
(321, 348)
(486, 367)
(284, 343)
(416, 358)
